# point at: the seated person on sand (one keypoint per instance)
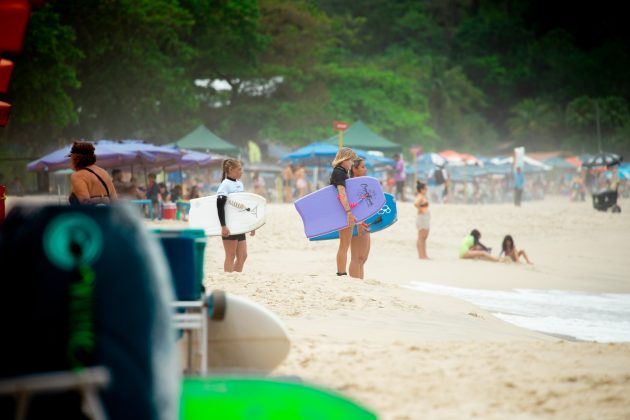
(509, 250)
(471, 248)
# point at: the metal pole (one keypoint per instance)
(599, 137)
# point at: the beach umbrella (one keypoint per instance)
(531, 164)
(317, 154)
(431, 159)
(193, 158)
(373, 160)
(623, 171)
(111, 154)
(574, 160)
(456, 158)
(426, 162)
(558, 163)
(603, 159)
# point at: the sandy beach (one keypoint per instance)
(407, 354)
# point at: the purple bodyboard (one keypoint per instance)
(322, 212)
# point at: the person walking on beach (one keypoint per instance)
(259, 184)
(235, 246)
(287, 182)
(400, 176)
(359, 244)
(423, 219)
(153, 193)
(90, 184)
(472, 248)
(509, 250)
(341, 165)
(300, 181)
(519, 184)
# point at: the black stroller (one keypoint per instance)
(606, 200)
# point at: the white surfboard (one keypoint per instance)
(244, 212)
(519, 157)
(249, 337)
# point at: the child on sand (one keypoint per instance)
(235, 246)
(509, 250)
(341, 165)
(360, 244)
(472, 248)
(423, 219)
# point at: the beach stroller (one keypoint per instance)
(606, 200)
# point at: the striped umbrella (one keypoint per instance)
(602, 159)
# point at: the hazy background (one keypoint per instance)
(475, 76)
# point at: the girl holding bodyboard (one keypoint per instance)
(235, 246)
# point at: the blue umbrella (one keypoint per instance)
(558, 163)
(315, 153)
(623, 170)
(426, 162)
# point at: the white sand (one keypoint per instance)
(407, 354)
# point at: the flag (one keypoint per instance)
(254, 152)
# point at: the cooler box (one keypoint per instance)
(169, 211)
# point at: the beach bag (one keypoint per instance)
(439, 177)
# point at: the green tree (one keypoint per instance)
(44, 77)
(134, 73)
(592, 120)
(533, 121)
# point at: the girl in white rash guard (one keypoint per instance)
(235, 246)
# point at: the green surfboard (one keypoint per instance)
(256, 398)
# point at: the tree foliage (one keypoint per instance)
(462, 74)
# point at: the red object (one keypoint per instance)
(6, 67)
(3, 196)
(341, 126)
(5, 109)
(169, 211)
(14, 15)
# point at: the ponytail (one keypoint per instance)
(227, 165)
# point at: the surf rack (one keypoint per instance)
(190, 316)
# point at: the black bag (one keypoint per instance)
(73, 199)
(439, 176)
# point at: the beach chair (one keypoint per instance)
(184, 250)
(87, 382)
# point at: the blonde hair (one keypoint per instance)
(227, 165)
(343, 154)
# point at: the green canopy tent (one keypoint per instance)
(359, 136)
(204, 140)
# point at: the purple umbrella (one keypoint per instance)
(110, 154)
(189, 158)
